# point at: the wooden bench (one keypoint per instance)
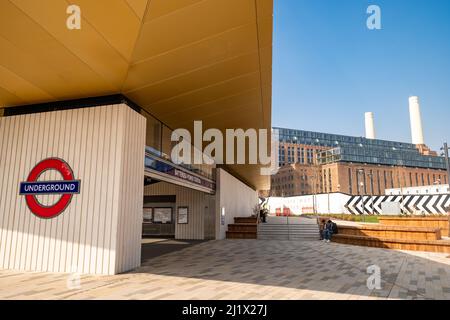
(442, 246)
(391, 232)
(425, 222)
(242, 235)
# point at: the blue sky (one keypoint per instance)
(329, 68)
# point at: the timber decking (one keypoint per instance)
(392, 232)
(243, 228)
(442, 246)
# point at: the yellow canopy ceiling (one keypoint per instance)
(181, 60)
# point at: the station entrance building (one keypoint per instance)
(86, 118)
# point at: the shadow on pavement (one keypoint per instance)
(155, 247)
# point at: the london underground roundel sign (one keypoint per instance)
(66, 188)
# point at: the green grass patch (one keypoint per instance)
(350, 217)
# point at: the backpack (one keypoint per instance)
(335, 228)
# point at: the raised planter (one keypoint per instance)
(425, 222)
(392, 232)
(441, 246)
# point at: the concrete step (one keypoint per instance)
(294, 232)
(284, 226)
(290, 224)
(288, 238)
(288, 231)
(288, 235)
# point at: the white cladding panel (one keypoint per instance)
(234, 198)
(100, 230)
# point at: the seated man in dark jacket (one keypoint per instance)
(330, 229)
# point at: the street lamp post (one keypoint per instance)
(315, 181)
(445, 148)
(329, 191)
(313, 178)
(313, 189)
(403, 199)
(362, 200)
(371, 191)
(361, 191)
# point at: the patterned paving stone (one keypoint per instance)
(253, 269)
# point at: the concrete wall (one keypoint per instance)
(198, 226)
(235, 198)
(342, 203)
(424, 190)
(100, 230)
(324, 204)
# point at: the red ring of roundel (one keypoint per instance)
(57, 208)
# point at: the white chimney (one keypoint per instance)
(416, 121)
(370, 125)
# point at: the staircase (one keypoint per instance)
(281, 228)
(243, 228)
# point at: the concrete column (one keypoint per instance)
(370, 125)
(416, 121)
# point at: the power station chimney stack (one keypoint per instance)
(416, 121)
(370, 125)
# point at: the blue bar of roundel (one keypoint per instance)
(50, 187)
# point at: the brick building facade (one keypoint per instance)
(314, 163)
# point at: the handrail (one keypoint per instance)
(288, 227)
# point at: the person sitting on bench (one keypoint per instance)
(330, 229)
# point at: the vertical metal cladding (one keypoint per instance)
(196, 201)
(99, 232)
(416, 121)
(234, 199)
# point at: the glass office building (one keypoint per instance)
(340, 148)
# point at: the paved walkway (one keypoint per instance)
(155, 247)
(253, 269)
